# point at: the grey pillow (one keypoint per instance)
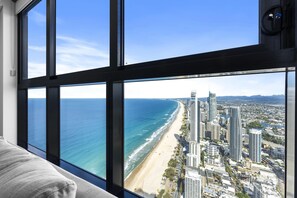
(23, 175)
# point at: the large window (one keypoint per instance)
(83, 127)
(82, 39)
(146, 97)
(206, 137)
(164, 29)
(37, 40)
(37, 118)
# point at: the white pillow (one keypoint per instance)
(24, 175)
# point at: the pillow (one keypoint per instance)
(23, 175)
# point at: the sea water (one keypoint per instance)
(83, 130)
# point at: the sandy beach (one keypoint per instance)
(148, 175)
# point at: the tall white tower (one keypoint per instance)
(255, 143)
(192, 183)
(235, 134)
(212, 101)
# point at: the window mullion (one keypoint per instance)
(52, 93)
(22, 109)
(115, 104)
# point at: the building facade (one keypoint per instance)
(235, 134)
(193, 157)
(255, 143)
(212, 101)
(192, 183)
(195, 118)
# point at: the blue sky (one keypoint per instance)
(155, 29)
(243, 85)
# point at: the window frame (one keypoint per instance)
(256, 57)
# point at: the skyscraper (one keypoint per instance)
(212, 101)
(202, 130)
(228, 131)
(235, 134)
(255, 141)
(214, 129)
(195, 118)
(206, 110)
(193, 157)
(192, 183)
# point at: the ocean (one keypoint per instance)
(83, 130)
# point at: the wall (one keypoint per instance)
(8, 84)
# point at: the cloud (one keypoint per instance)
(37, 93)
(76, 55)
(37, 17)
(86, 91)
(267, 84)
(36, 69)
(37, 48)
(72, 55)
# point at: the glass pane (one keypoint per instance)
(291, 100)
(37, 40)
(82, 35)
(206, 137)
(83, 127)
(163, 29)
(37, 118)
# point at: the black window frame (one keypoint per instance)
(273, 52)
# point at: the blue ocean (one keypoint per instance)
(83, 130)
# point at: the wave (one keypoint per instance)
(139, 154)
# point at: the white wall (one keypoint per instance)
(8, 84)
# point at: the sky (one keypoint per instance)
(154, 30)
(243, 85)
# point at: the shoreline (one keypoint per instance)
(165, 129)
(144, 177)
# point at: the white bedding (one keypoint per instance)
(24, 175)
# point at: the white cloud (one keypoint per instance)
(77, 55)
(37, 93)
(37, 17)
(72, 55)
(86, 91)
(37, 48)
(263, 84)
(36, 69)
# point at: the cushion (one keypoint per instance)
(23, 175)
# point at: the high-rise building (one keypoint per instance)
(255, 142)
(192, 183)
(203, 116)
(195, 118)
(228, 131)
(202, 130)
(235, 134)
(262, 190)
(193, 157)
(214, 129)
(212, 101)
(193, 95)
(193, 160)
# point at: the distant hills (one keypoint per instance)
(274, 99)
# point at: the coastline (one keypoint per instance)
(147, 176)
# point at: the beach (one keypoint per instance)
(147, 177)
